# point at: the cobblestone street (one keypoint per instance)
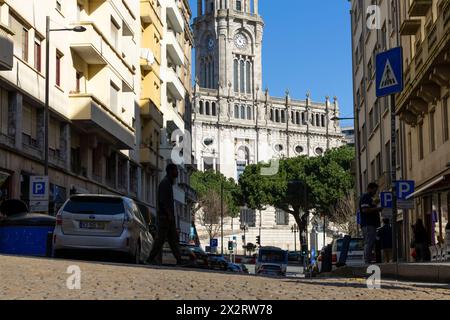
(33, 278)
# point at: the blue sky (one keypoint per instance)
(307, 47)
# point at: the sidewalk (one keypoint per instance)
(434, 272)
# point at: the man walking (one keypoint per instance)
(370, 220)
(385, 235)
(166, 216)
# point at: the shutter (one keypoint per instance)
(34, 125)
(26, 119)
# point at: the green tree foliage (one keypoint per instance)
(322, 182)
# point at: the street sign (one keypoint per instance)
(386, 201)
(404, 188)
(39, 190)
(389, 72)
(214, 243)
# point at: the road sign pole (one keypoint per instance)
(394, 179)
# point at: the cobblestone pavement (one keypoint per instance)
(34, 278)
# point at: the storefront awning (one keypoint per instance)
(428, 186)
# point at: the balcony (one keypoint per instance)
(149, 14)
(6, 49)
(149, 157)
(174, 49)
(174, 16)
(419, 8)
(150, 111)
(410, 27)
(89, 45)
(93, 117)
(147, 58)
(174, 85)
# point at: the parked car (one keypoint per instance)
(191, 255)
(217, 262)
(271, 261)
(244, 268)
(237, 268)
(105, 223)
(355, 256)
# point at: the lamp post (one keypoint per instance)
(244, 228)
(47, 83)
(294, 229)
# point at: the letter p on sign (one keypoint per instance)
(405, 189)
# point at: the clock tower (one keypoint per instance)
(228, 40)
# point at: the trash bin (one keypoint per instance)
(27, 234)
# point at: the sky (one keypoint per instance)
(307, 48)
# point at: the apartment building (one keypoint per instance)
(95, 128)
(372, 114)
(424, 108)
(150, 103)
(176, 52)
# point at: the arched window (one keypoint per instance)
(292, 117)
(249, 80)
(249, 113)
(318, 120)
(297, 117)
(207, 108)
(236, 111)
(271, 114)
(242, 76)
(207, 74)
(242, 112)
(211, 81)
(201, 107)
(213, 109)
(277, 115)
(303, 118)
(203, 76)
(323, 121)
(236, 75)
(313, 120)
(283, 116)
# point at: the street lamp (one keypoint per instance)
(244, 228)
(294, 229)
(47, 83)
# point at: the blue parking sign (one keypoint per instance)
(389, 72)
(214, 243)
(405, 188)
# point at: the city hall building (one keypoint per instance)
(236, 123)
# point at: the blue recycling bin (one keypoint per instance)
(27, 235)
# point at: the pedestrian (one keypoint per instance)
(166, 225)
(385, 235)
(420, 241)
(370, 220)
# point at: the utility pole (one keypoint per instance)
(221, 216)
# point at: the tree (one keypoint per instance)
(208, 186)
(301, 184)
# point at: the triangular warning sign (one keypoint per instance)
(388, 79)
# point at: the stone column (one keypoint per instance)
(65, 144)
(256, 7)
(15, 119)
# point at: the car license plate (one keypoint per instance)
(92, 225)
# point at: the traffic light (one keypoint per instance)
(230, 245)
(304, 252)
(258, 240)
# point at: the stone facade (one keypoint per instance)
(236, 123)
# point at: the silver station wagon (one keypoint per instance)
(102, 223)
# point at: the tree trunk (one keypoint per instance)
(302, 226)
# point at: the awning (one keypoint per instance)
(426, 187)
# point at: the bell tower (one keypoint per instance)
(228, 39)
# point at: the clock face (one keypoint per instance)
(240, 41)
(211, 43)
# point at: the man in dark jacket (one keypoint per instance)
(166, 216)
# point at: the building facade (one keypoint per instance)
(236, 123)
(421, 28)
(424, 108)
(176, 55)
(111, 95)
